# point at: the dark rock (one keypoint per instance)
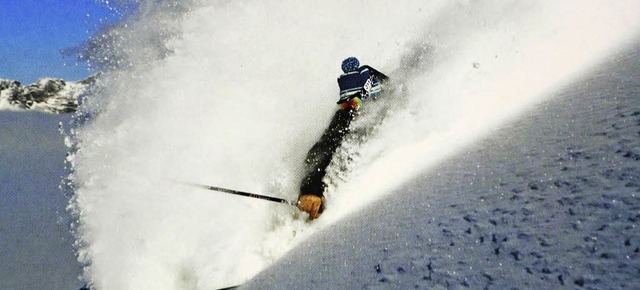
(632, 155)
(468, 218)
(607, 256)
(536, 254)
(561, 279)
(516, 255)
(523, 236)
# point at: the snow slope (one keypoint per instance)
(233, 94)
(550, 201)
(36, 248)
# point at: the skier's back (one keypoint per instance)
(358, 83)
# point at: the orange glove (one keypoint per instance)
(310, 204)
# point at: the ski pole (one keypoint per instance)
(242, 193)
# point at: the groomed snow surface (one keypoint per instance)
(234, 93)
(550, 201)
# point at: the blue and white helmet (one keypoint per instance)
(350, 64)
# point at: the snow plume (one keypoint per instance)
(486, 64)
(233, 94)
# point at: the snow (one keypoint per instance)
(46, 95)
(233, 94)
(36, 248)
(549, 201)
(7, 88)
(6, 106)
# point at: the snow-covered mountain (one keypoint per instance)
(46, 95)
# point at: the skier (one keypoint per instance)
(356, 84)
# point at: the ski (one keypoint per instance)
(230, 288)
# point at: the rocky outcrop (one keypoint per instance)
(47, 95)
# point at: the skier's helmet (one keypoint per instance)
(350, 64)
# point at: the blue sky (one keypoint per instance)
(33, 32)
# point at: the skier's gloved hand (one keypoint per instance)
(310, 204)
